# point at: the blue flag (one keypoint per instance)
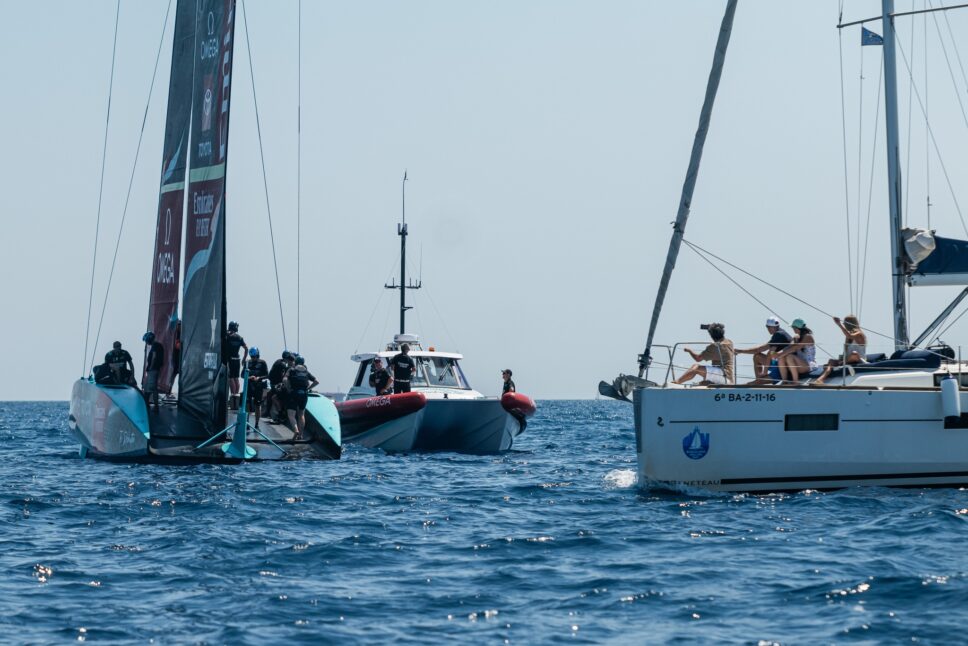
(867, 37)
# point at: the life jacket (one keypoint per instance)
(299, 379)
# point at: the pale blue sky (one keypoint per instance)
(546, 142)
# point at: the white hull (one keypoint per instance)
(461, 425)
(744, 439)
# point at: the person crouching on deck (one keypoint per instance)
(719, 353)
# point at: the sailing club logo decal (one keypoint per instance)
(696, 444)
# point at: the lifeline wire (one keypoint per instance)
(104, 155)
(134, 168)
(870, 192)
(265, 181)
(299, 175)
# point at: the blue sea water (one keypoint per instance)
(551, 542)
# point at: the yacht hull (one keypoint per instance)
(782, 439)
(113, 423)
(459, 425)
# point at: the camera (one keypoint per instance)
(704, 326)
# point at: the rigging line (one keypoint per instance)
(907, 163)
(948, 327)
(265, 181)
(440, 316)
(927, 147)
(860, 161)
(298, 174)
(134, 168)
(954, 43)
(870, 192)
(779, 289)
(843, 128)
(951, 71)
(934, 141)
(104, 156)
(696, 248)
(382, 292)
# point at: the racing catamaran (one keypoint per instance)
(111, 420)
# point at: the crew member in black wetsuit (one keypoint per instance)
(234, 342)
(154, 360)
(299, 382)
(122, 367)
(380, 379)
(258, 373)
(276, 395)
(508, 384)
(403, 368)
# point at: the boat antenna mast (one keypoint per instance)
(404, 285)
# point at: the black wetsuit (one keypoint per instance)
(403, 368)
(156, 356)
(233, 343)
(379, 380)
(258, 373)
(299, 380)
(276, 375)
(118, 360)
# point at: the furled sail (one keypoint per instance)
(935, 260)
(163, 303)
(202, 390)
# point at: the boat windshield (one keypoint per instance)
(439, 372)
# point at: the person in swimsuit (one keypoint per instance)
(800, 357)
(855, 346)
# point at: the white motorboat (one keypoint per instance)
(442, 412)
(895, 420)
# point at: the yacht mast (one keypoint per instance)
(402, 232)
(894, 179)
(685, 202)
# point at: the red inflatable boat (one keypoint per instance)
(358, 415)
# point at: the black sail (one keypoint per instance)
(202, 389)
(166, 263)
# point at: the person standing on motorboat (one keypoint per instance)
(719, 353)
(855, 346)
(403, 368)
(121, 365)
(764, 355)
(380, 379)
(800, 357)
(299, 381)
(258, 373)
(276, 395)
(154, 360)
(233, 343)
(508, 384)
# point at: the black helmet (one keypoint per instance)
(299, 360)
(286, 354)
(148, 337)
(117, 345)
(233, 326)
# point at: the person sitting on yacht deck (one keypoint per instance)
(119, 360)
(258, 373)
(855, 346)
(719, 353)
(800, 357)
(380, 379)
(403, 368)
(299, 382)
(154, 360)
(508, 384)
(764, 355)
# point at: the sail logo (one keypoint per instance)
(167, 227)
(696, 444)
(208, 102)
(166, 268)
(208, 48)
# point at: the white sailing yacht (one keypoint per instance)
(894, 421)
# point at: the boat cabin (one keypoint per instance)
(436, 371)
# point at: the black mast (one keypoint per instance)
(403, 286)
